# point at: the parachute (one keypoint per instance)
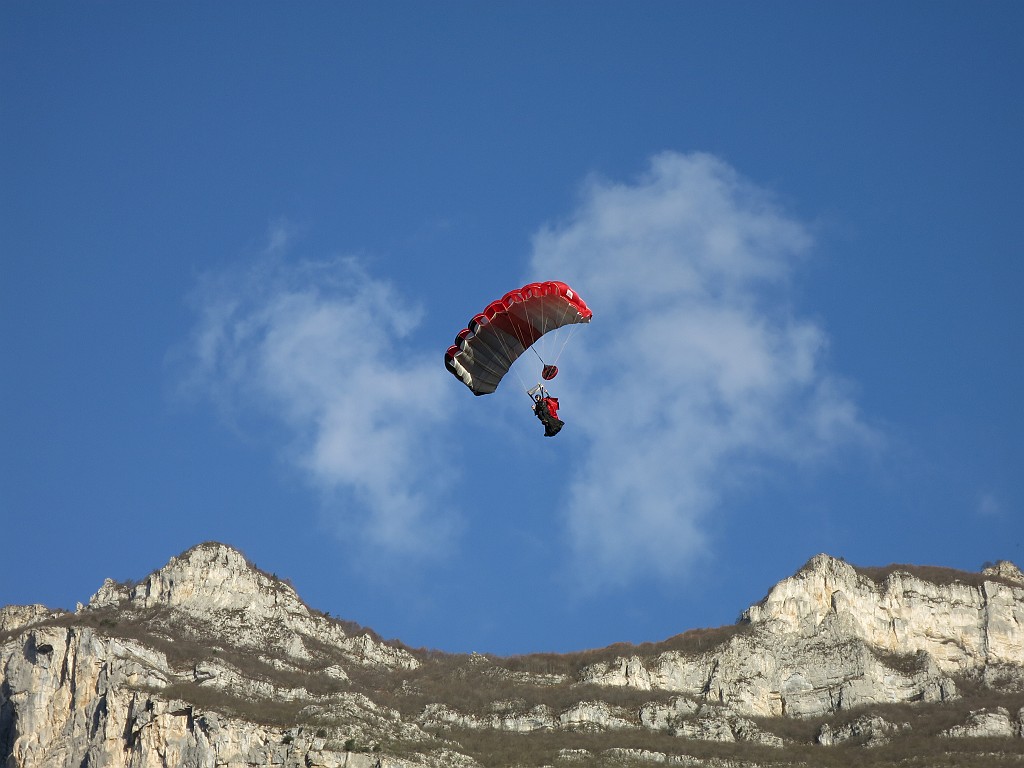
(485, 350)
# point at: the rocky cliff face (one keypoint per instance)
(211, 662)
(832, 637)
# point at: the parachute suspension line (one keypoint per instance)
(508, 354)
(522, 382)
(565, 336)
(544, 329)
(546, 334)
(525, 343)
(565, 341)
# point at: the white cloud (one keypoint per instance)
(696, 371)
(695, 376)
(323, 349)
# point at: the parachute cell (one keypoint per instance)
(493, 340)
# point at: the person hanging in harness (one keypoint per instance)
(546, 408)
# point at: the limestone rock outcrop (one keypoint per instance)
(988, 723)
(722, 724)
(215, 586)
(834, 637)
(872, 730)
(962, 626)
(14, 616)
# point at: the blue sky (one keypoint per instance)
(237, 238)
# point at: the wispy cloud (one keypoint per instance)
(324, 350)
(697, 372)
(695, 376)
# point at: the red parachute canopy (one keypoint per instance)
(485, 350)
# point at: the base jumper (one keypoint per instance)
(546, 408)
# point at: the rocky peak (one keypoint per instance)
(208, 577)
(215, 592)
(1006, 571)
(962, 620)
(801, 602)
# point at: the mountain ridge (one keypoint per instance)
(235, 669)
